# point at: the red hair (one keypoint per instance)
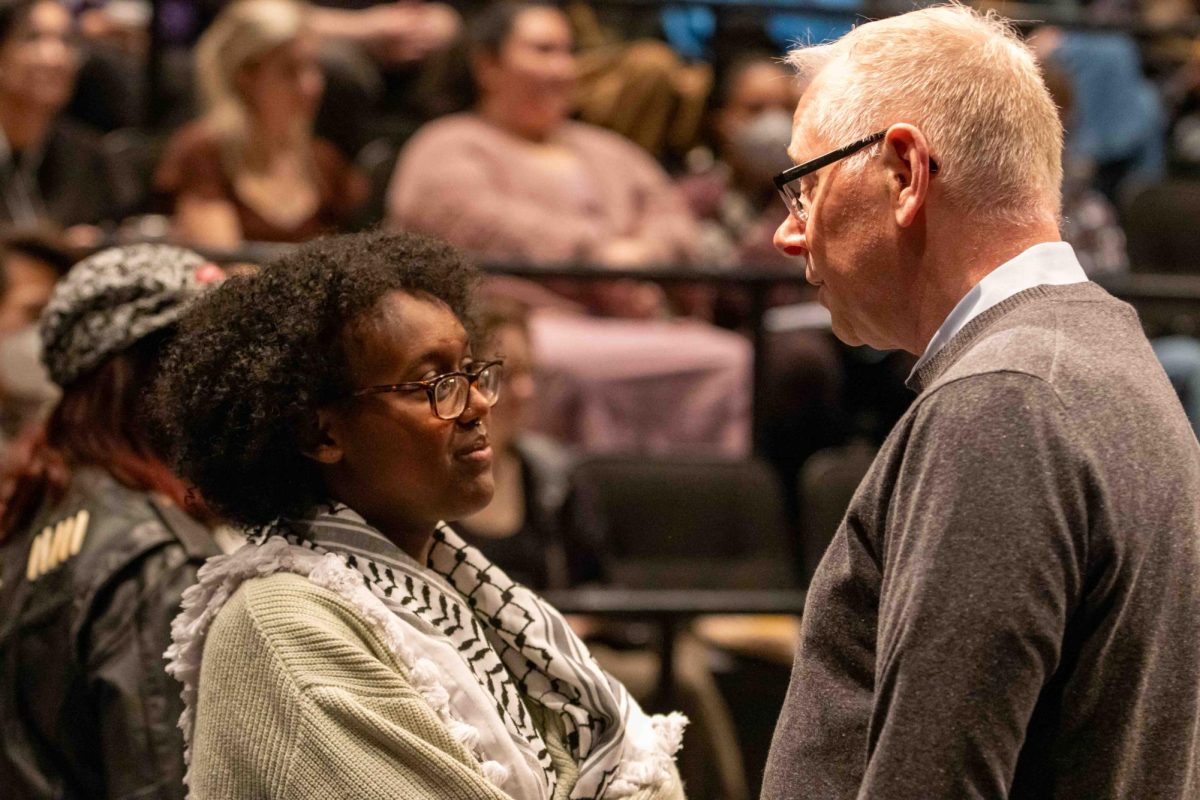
(98, 422)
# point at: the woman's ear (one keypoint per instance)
(323, 445)
(243, 82)
(484, 66)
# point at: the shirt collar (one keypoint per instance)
(1045, 264)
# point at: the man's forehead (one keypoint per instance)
(803, 145)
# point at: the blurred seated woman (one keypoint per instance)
(32, 261)
(514, 179)
(251, 169)
(522, 530)
(100, 539)
(332, 405)
(51, 170)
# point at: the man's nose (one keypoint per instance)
(789, 238)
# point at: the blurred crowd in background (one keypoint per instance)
(621, 135)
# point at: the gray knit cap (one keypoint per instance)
(110, 300)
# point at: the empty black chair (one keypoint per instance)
(130, 155)
(377, 160)
(1162, 228)
(685, 523)
(828, 481)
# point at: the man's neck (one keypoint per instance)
(958, 264)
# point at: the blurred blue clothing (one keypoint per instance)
(1180, 357)
(1117, 114)
(689, 29)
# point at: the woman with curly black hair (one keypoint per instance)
(356, 647)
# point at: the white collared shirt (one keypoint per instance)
(1045, 264)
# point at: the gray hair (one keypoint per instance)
(968, 83)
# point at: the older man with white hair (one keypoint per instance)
(1011, 607)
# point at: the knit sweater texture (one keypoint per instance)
(300, 698)
(1011, 606)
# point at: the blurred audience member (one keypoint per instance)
(33, 259)
(735, 200)
(1089, 219)
(642, 89)
(522, 530)
(1091, 226)
(1117, 125)
(111, 90)
(374, 55)
(31, 263)
(525, 532)
(392, 32)
(734, 197)
(99, 540)
(50, 168)
(251, 168)
(515, 179)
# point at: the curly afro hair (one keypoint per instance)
(240, 386)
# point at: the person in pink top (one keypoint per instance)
(514, 178)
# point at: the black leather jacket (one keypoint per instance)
(86, 603)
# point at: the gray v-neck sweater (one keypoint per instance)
(1011, 607)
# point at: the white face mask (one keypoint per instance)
(760, 146)
(26, 390)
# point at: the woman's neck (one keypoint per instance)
(268, 140)
(24, 125)
(415, 539)
(503, 116)
(414, 543)
(506, 514)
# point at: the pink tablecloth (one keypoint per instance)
(642, 386)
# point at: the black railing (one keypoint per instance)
(670, 610)
(1167, 296)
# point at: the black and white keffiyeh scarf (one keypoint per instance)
(478, 644)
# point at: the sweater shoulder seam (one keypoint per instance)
(997, 371)
(325, 594)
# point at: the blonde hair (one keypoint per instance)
(968, 83)
(243, 33)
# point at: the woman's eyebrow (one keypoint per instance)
(439, 358)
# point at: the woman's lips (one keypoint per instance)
(478, 452)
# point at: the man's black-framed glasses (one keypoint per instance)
(788, 181)
(449, 392)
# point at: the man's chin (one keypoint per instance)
(845, 333)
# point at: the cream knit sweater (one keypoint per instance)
(300, 698)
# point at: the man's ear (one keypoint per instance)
(324, 442)
(906, 158)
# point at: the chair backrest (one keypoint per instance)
(377, 160)
(1162, 228)
(828, 481)
(131, 156)
(685, 523)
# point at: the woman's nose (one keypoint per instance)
(477, 407)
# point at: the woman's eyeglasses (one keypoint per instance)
(450, 391)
